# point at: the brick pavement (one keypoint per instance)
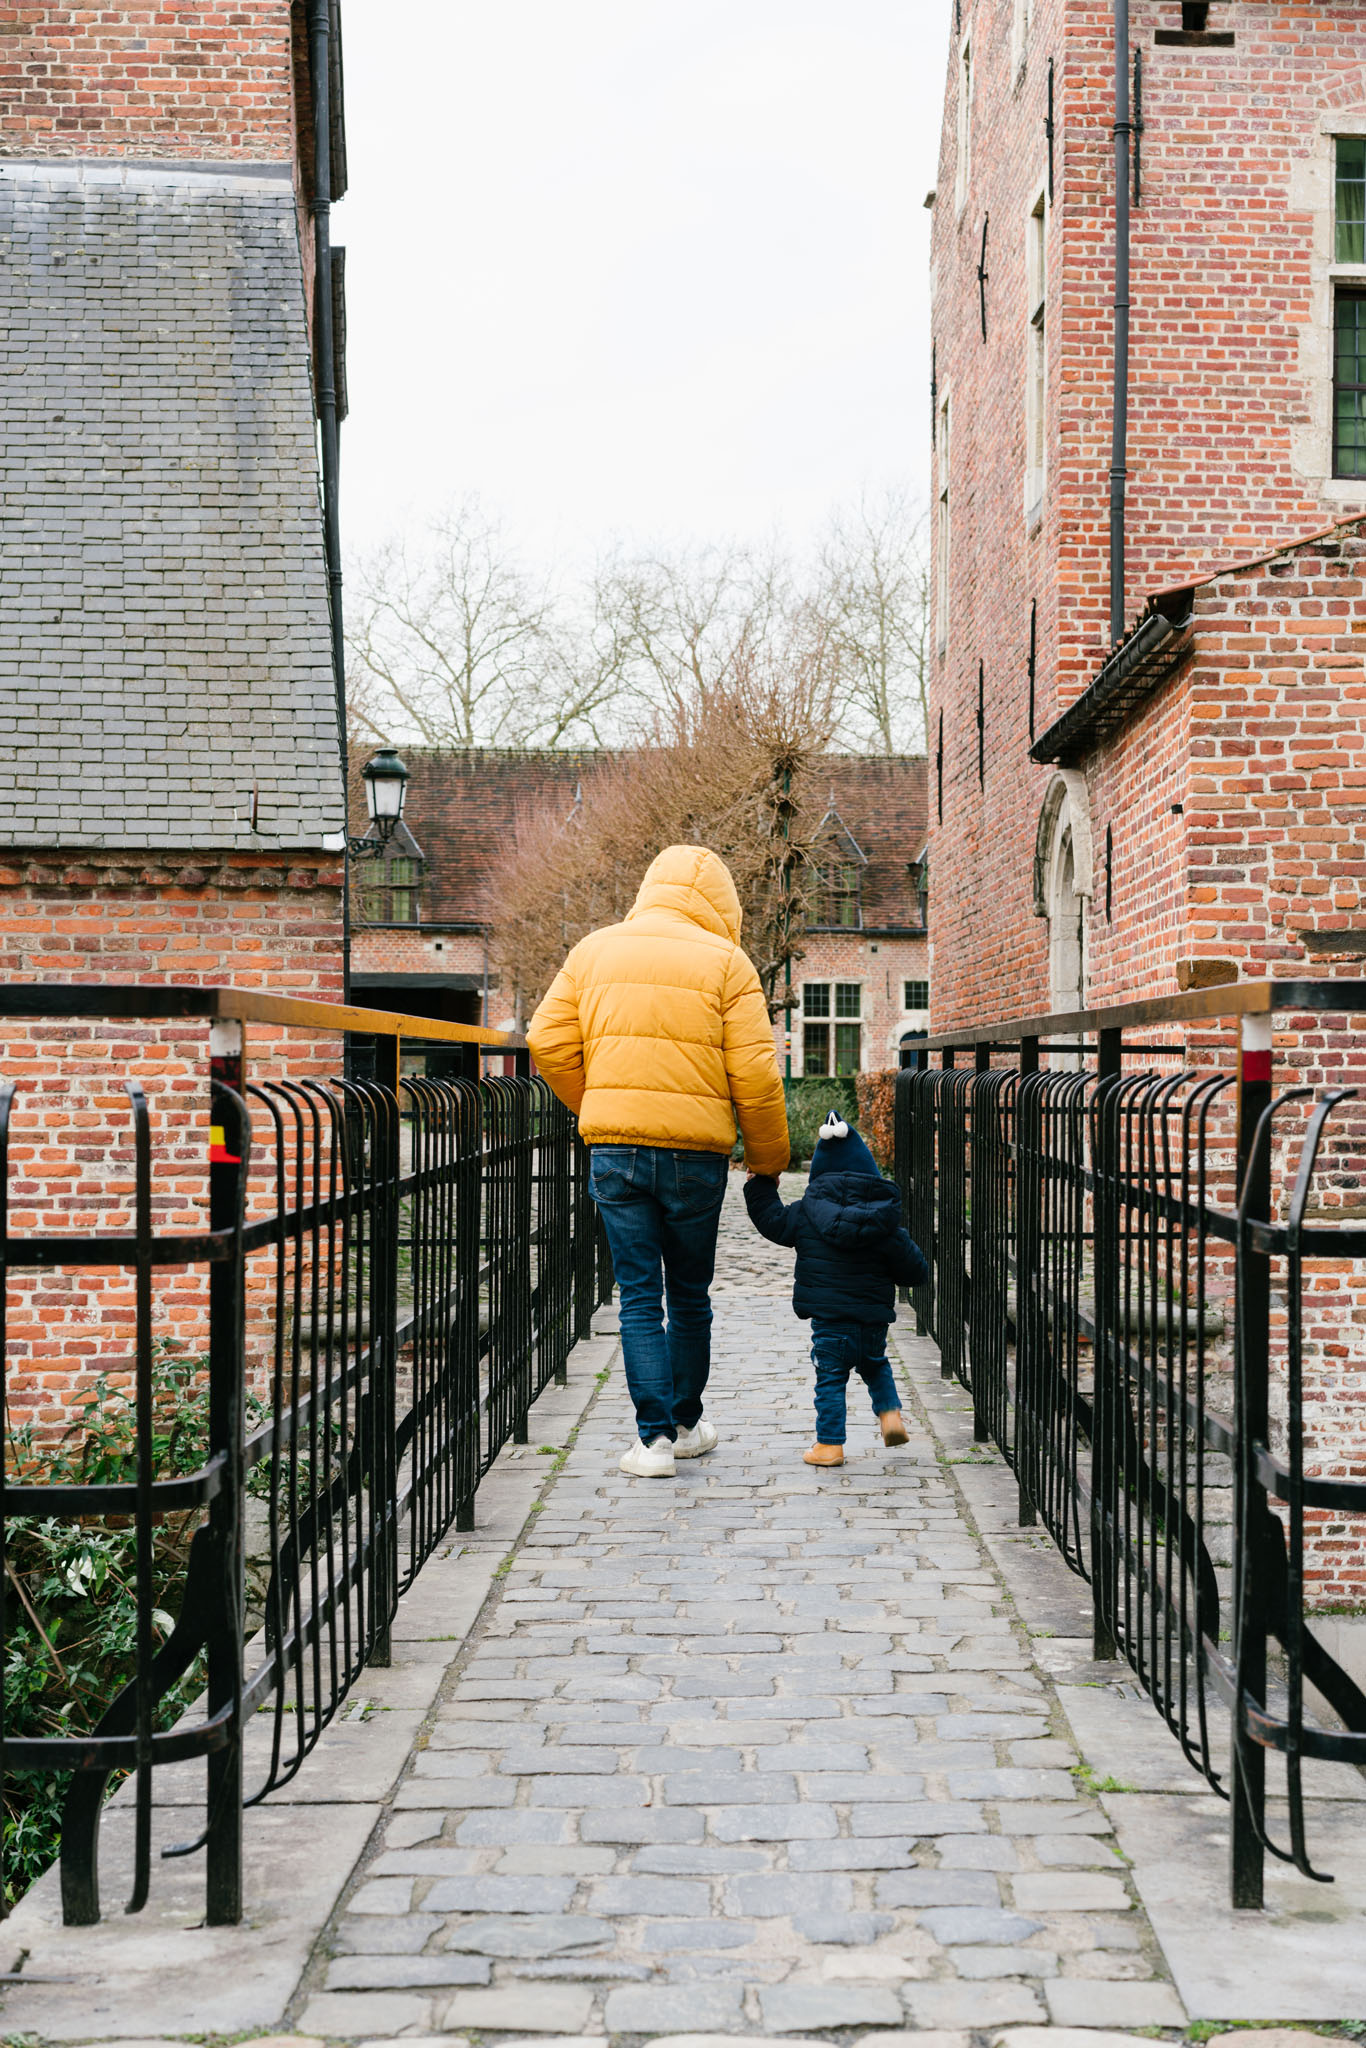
(753, 1750)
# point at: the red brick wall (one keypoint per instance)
(142, 79)
(987, 947)
(1234, 796)
(256, 924)
(1228, 450)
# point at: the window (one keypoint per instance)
(963, 170)
(915, 995)
(1349, 306)
(1349, 384)
(1195, 29)
(390, 890)
(839, 895)
(816, 1029)
(1349, 210)
(848, 1048)
(941, 607)
(1019, 36)
(1036, 363)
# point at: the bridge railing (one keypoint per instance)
(393, 1265)
(1145, 1262)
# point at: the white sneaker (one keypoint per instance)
(695, 1443)
(650, 1461)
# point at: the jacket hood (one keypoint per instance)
(851, 1208)
(692, 882)
(844, 1154)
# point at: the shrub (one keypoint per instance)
(809, 1102)
(69, 1593)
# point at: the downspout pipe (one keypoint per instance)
(320, 81)
(1119, 427)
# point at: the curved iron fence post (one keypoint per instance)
(346, 1312)
(1101, 1183)
(229, 1165)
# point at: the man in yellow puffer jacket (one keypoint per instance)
(656, 1034)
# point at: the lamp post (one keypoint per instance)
(386, 781)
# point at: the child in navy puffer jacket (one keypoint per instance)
(852, 1254)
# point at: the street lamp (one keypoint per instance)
(386, 786)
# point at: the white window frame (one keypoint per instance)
(846, 981)
(825, 1020)
(962, 176)
(1019, 38)
(1313, 190)
(915, 1009)
(1036, 355)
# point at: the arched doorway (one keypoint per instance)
(1062, 886)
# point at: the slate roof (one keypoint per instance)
(464, 808)
(164, 641)
(882, 802)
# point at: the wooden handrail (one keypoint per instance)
(33, 999)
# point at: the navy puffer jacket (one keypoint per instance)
(852, 1249)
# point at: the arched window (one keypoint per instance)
(1062, 886)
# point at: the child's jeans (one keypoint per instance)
(838, 1349)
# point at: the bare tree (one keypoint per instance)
(735, 769)
(873, 597)
(689, 623)
(452, 643)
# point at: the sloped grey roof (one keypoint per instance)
(164, 641)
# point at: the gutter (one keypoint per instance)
(1156, 647)
(1119, 422)
(321, 72)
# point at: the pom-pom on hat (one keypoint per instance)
(840, 1149)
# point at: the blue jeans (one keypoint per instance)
(837, 1349)
(661, 1210)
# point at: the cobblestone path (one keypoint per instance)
(757, 1749)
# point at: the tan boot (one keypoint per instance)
(894, 1430)
(824, 1454)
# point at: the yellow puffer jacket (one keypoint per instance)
(655, 1027)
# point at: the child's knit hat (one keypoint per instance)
(840, 1149)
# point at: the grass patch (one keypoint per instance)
(1087, 1778)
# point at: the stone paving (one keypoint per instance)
(758, 1749)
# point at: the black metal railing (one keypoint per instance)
(397, 1266)
(1131, 1276)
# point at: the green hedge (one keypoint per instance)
(808, 1105)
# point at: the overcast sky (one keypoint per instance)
(636, 269)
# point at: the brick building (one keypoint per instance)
(420, 936)
(1114, 820)
(171, 796)
(1149, 758)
